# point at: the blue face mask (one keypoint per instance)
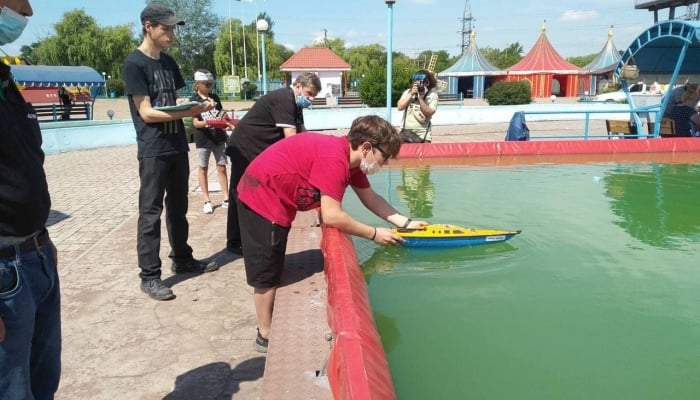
(303, 102)
(11, 25)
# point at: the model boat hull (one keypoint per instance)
(446, 235)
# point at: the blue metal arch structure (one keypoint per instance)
(669, 47)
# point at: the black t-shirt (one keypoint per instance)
(24, 193)
(208, 138)
(263, 124)
(159, 80)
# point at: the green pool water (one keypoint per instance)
(598, 298)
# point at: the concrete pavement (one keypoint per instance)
(118, 343)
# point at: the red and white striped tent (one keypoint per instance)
(548, 72)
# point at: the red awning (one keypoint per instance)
(41, 95)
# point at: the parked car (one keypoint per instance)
(619, 96)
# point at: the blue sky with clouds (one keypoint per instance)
(573, 28)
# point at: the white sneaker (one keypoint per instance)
(224, 204)
(207, 208)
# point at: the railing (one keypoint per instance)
(640, 117)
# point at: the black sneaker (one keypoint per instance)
(194, 267)
(235, 248)
(260, 343)
(157, 289)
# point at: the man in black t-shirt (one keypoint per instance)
(30, 300)
(152, 79)
(273, 117)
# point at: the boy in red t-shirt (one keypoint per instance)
(303, 172)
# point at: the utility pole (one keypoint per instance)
(325, 37)
(467, 27)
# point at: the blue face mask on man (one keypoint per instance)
(12, 24)
(303, 101)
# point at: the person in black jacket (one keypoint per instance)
(30, 300)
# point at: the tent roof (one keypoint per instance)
(471, 63)
(661, 47)
(55, 76)
(607, 58)
(542, 58)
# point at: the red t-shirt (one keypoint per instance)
(292, 174)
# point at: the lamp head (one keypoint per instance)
(262, 25)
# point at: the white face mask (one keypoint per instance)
(11, 25)
(369, 168)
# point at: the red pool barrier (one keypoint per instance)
(548, 147)
(357, 366)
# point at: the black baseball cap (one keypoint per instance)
(160, 14)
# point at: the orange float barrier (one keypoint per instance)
(357, 366)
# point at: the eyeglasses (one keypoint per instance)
(418, 77)
(384, 153)
(208, 84)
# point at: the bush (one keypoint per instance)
(508, 93)
(117, 85)
(372, 89)
(248, 90)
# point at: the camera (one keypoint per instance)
(421, 88)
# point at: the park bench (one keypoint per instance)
(619, 127)
(337, 101)
(451, 98)
(54, 112)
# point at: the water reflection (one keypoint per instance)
(402, 260)
(417, 191)
(657, 204)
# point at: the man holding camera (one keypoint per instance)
(419, 103)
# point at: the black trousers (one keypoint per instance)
(164, 177)
(233, 227)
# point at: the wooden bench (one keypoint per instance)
(451, 98)
(667, 128)
(339, 101)
(619, 127)
(54, 112)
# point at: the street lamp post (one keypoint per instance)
(104, 77)
(230, 36)
(389, 54)
(245, 56)
(262, 26)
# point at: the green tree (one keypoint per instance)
(364, 59)
(75, 41)
(196, 39)
(582, 61)
(79, 41)
(337, 45)
(373, 87)
(503, 58)
(117, 43)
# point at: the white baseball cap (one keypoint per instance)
(202, 75)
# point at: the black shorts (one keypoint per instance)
(264, 246)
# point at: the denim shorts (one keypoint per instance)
(219, 155)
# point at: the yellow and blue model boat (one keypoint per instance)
(446, 235)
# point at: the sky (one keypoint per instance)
(574, 28)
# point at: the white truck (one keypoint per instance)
(639, 88)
